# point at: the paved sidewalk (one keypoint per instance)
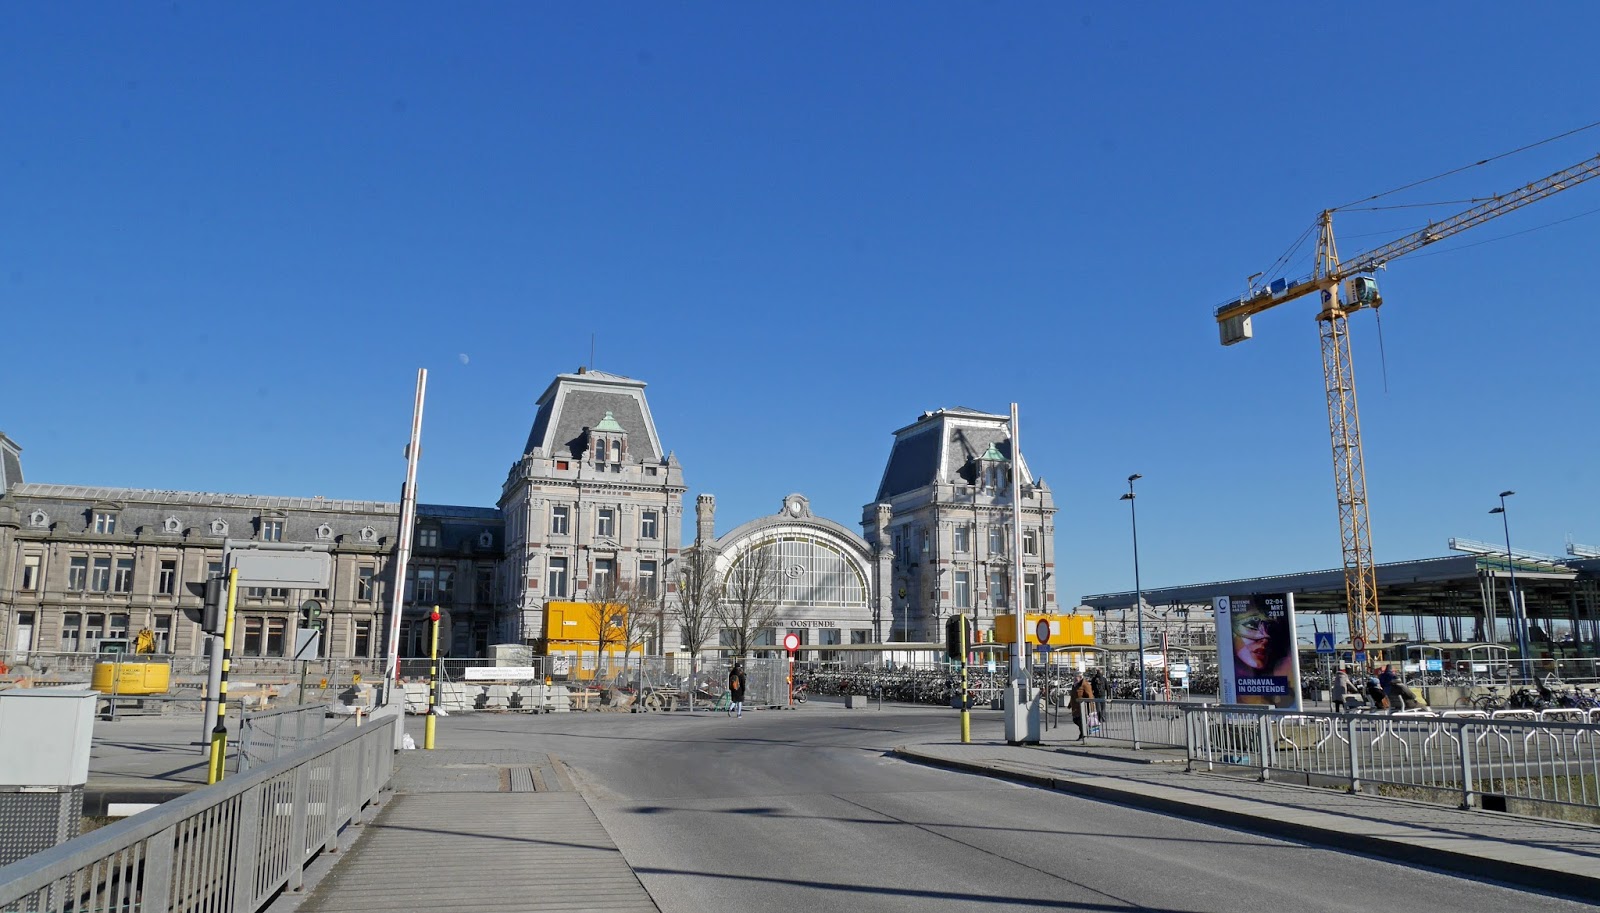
(1544, 855)
(481, 831)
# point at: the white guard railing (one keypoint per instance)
(227, 848)
(1523, 755)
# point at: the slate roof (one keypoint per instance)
(10, 463)
(942, 446)
(199, 498)
(574, 402)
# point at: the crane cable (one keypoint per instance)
(1473, 165)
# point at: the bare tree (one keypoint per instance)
(699, 604)
(640, 601)
(608, 612)
(750, 596)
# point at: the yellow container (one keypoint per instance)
(1065, 630)
(131, 678)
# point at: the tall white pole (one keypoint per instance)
(1021, 611)
(408, 516)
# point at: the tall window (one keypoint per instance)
(483, 591)
(1030, 591)
(71, 632)
(105, 523)
(94, 632)
(963, 539)
(271, 530)
(167, 580)
(558, 578)
(427, 537)
(253, 625)
(560, 520)
(124, 578)
(361, 643)
(963, 591)
(605, 522)
(447, 585)
(163, 632)
(364, 591)
(100, 577)
(604, 576)
(997, 589)
(997, 540)
(78, 574)
(275, 633)
(1030, 542)
(427, 588)
(30, 573)
(647, 579)
(648, 521)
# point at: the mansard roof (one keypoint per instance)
(943, 446)
(582, 400)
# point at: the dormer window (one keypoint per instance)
(271, 530)
(172, 525)
(38, 520)
(105, 522)
(428, 537)
(485, 539)
(324, 532)
(219, 527)
(368, 534)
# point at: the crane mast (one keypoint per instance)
(1344, 288)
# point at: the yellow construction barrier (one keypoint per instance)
(131, 678)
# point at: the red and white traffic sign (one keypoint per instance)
(1043, 630)
(791, 642)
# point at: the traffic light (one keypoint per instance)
(214, 619)
(310, 614)
(957, 637)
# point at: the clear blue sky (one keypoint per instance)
(229, 237)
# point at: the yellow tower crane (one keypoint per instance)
(1347, 287)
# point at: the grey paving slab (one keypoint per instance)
(526, 851)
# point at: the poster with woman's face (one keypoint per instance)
(1257, 656)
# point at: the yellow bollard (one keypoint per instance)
(219, 734)
(433, 681)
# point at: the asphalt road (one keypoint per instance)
(802, 811)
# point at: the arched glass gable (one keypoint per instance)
(814, 572)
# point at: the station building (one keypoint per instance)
(594, 501)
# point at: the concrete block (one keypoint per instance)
(855, 701)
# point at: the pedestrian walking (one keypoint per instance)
(736, 690)
(1343, 690)
(1082, 704)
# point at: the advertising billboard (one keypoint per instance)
(1258, 659)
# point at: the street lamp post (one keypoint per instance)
(1138, 591)
(1519, 619)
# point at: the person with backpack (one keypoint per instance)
(736, 691)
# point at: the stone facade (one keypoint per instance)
(80, 566)
(941, 525)
(594, 503)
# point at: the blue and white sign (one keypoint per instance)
(1325, 643)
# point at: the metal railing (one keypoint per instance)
(1522, 756)
(228, 848)
(267, 735)
(1146, 724)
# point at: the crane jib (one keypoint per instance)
(1265, 298)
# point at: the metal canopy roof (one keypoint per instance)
(1430, 586)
